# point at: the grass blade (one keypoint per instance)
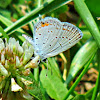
(88, 19)
(46, 7)
(78, 79)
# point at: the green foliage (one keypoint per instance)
(98, 96)
(55, 83)
(79, 97)
(3, 33)
(91, 5)
(4, 3)
(6, 13)
(81, 58)
(34, 89)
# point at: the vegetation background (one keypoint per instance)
(72, 75)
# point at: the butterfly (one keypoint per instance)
(51, 37)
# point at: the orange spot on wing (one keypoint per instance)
(64, 29)
(44, 24)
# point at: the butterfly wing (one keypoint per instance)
(46, 35)
(29, 39)
(69, 36)
(53, 37)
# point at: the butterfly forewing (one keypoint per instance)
(46, 33)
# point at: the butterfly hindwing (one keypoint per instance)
(70, 35)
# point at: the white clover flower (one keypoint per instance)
(15, 61)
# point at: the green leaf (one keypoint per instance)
(86, 34)
(46, 7)
(34, 89)
(79, 78)
(91, 4)
(87, 17)
(79, 97)
(98, 96)
(7, 22)
(61, 10)
(4, 3)
(52, 64)
(3, 33)
(5, 13)
(81, 58)
(53, 85)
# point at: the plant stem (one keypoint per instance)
(98, 79)
(78, 79)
